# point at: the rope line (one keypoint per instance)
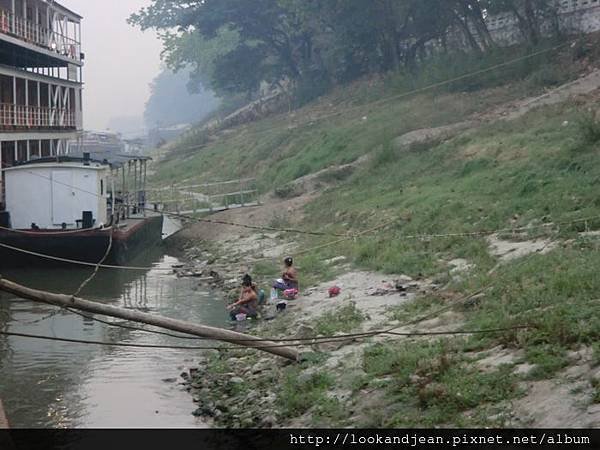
(327, 339)
(95, 272)
(315, 339)
(258, 347)
(462, 300)
(318, 247)
(88, 264)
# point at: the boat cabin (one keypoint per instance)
(56, 193)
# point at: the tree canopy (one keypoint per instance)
(235, 45)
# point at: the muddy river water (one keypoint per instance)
(57, 384)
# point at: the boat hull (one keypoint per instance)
(88, 246)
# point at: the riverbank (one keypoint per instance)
(484, 238)
(452, 380)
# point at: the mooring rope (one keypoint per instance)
(97, 268)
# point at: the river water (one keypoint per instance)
(56, 384)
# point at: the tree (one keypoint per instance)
(190, 50)
(277, 35)
(241, 70)
(237, 44)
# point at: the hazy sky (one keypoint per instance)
(120, 61)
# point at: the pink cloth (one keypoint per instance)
(290, 294)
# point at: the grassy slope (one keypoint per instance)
(537, 169)
(278, 154)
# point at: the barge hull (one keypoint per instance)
(88, 246)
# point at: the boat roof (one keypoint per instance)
(64, 162)
(115, 161)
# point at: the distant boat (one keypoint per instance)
(61, 210)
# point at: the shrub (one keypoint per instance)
(589, 127)
(287, 191)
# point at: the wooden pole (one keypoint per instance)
(3, 419)
(217, 334)
(6, 442)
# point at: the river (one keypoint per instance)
(55, 384)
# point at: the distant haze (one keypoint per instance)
(120, 61)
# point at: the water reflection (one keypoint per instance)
(57, 384)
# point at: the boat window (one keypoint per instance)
(101, 187)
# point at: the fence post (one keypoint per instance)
(242, 192)
(256, 193)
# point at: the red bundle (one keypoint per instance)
(334, 291)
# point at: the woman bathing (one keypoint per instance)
(288, 280)
(248, 302)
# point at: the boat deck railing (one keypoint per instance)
(25, 116)
(34, 33)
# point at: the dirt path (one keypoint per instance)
(510, 111)
(581, 86)
(564, 401)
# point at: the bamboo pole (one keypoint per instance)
(181, 326)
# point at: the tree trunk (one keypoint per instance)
(478, 20)
(532, 20)
(68, 301)
(464, 26)
(525, 24)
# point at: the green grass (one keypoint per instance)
(500, 176)
(596, 396)
(548, 359)
(505, 174)
(345, 318)
(433, 386)
(540, 169)
(589, 127)
(298, 395)
(555, 294)
(277, 151)
(416, 308)
(596, 354)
